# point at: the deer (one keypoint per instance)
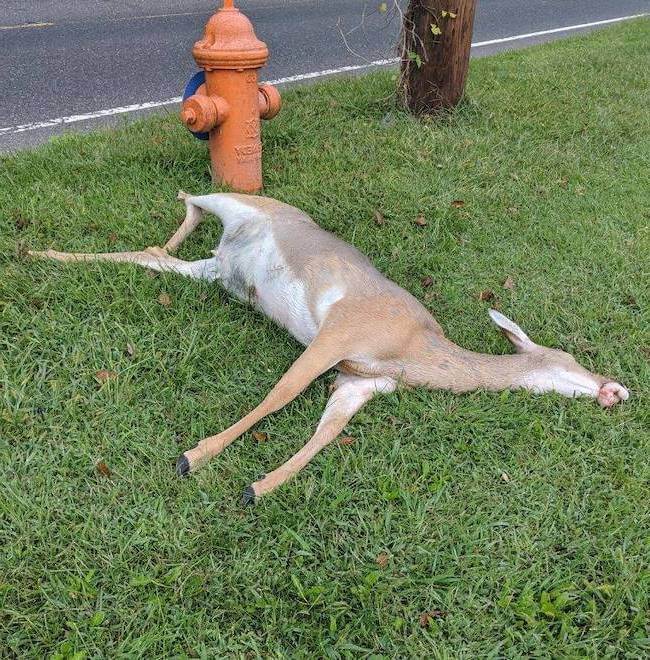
(349, 317)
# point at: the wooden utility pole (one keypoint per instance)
(435, 44)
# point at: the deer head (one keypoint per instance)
(552, 370)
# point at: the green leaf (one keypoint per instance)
(414, 57)
(547, 607)
(97, 619)
(383, 8)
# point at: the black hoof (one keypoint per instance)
(248, 497)
(182, 466)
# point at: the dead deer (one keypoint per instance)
(349, 316)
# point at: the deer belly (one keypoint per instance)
(283, 300)
(256, 273)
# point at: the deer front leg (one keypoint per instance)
(193, 217)
(322, 354)
(351, 393)
(153, 257)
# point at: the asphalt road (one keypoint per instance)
(64, 57)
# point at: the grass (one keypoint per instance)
(551, 156)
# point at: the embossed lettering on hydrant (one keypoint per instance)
(252, 127)
(247, 152)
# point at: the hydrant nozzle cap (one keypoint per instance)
(229, 42)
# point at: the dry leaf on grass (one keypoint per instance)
(486, 295)
(104, 375)
(260, 436)
(112, 238)
(103, 469)
(420, 221)
(164, 299)
(509, 283)
(382, 559)
(379, 219)
(504, 477)
(130, 350)
(22, 222)
(346, 440)
(427, 617)
(458, 203)
(427, 281)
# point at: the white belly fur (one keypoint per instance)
(252, 268)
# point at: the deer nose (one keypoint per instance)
(611, 393)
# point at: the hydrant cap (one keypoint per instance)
(229, 42)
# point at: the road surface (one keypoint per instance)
(61, 59)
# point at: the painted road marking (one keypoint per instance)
(25, 25)
(71, 119)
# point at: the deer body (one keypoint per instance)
(349, 316)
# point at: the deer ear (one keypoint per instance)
(518, 338)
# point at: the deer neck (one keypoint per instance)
(448, 366)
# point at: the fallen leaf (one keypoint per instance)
(20, 249)
(458, 203)
(420, 221)
(104, 375)
(112, 238)
(380, 221)
(513, 210)
(22, 222)
(346, 440)
(382, 559)
(435, 30)
(509, 283)
(427, 617)
(164, 300)
(260, 436)
(383, 7)
(130, 350)
(427, 281)
(103, 469)
(504, 477)
(486, 294)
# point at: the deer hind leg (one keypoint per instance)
(351, 393)
(153, 257)
(322, 354)
(193, 218)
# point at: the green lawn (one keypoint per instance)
(551, 156)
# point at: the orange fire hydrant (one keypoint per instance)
(230, 103)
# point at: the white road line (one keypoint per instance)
(71, 119)
(554, 30)
(25, 25)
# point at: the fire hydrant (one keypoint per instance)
(229, 105)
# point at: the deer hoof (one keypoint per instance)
(182, 466)
(611, 393)
(248, 497)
